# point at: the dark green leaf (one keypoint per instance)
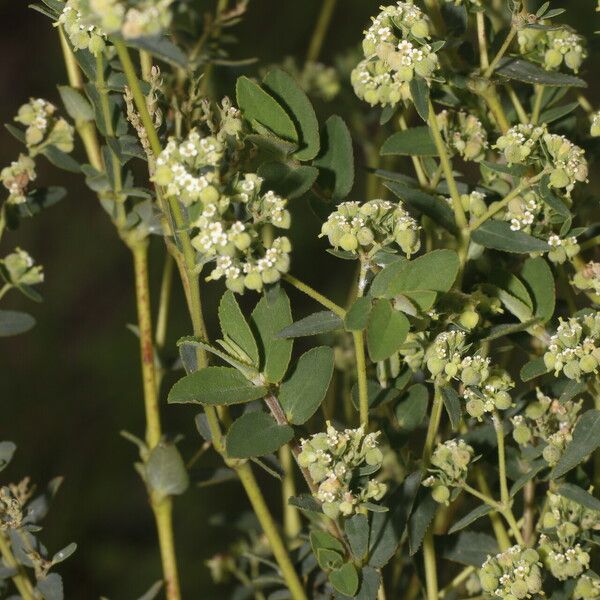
(357, 316)
(271, 315)
(553, 114)
(61, 159)
(416, 141)
(287, 181)
(498, 235)
(386, 332)
(538, 277)
(452, 404)
(345, 579)
(411, 410)
(291, 96)
(469, 518)
(336, 159)
(532, 369)
(162, 48)
(305, 502)
(579, 495)
(7, 450)
(527, 72)
(419, 91)
(165, 471)
(321, 539)
(586, 438)
(13, 322)
(513, 170)
(319, 322)
(357, 532)
(571, 390)
(420, 519)
(215, 386)
(234, 326)
(500, 331)
(301, 394)
(521, 481)
(328, 559)
(76, 104)
(256, 434)
(257, 105)
(370, 581)
(470, 548)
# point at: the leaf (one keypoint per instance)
(258, 105)
(579, 495)
(420, 519)
(419, 91)
(328, 559)
(234, 326)
(505, 329)
(291, 96)
(470, 517)
(215, 386)
(470, 548)
(586, 438)
(411, 411)
(51, 587)
(162, 48)
(287, 181)
(498, 235)
(301, 394)
(61, 159)
(558, 112)
(370, 581)
(153, 591)
(386, 331)
(534, 468)
(512, 170)
(65, 553)
(452, 404)
(434, 271)
(271, 315)
(571, 390)
(188, 352)
(256, 433)
(376, 394)
(357, 532)
(76, 104)
(357, 317)
(319, 322)
(538, 277)
(345, 579)
(416, 141)
(165, 471)
(429, 205)
(305, 502)
(527, 72)
(13, 322)
(336, 159)
(321, 539)
(513, 294)
(532, 369)
(7, 450)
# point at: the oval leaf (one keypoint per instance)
(386, 332)
(256, 434)
(234, 326)
(416, 141)
(498, 235)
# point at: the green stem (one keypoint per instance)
(5, 288)
(501, 52)
(537, 106)
(164, 301)
(361, 370)
(320, 31)
(309, 291)
(585, 104)
(496, 108)
(481, 496)
(292, 525)
(420, 172)
(517, 105)
(460, 578)
(499, 429)
(482, 40)
(429, 559)
(20, 579)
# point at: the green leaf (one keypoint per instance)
(370, 582)
(376, 394)
(65, 553)
(234, 326)
(420, 520)
(538, 277)
(166, 474)
(579, 495)
(558, 112)
(498, 235)
(432, 206)
(319, 322)
(434, 271)
(7, 450)
(256, 434)
(321, 539)
(357, 532)
(512, 170)
(419, 91)
(586, 438)
(411, 411)
(13, 322)
(301, 394)
(386, 332)
(328, 559)
(345, 579)
(513, 294)
(532, 369)
(470, 548)
(527, 72)
(534, 468)
(61, 159)
(452, 404)
(416, 141)
(189, 356)
(257, 105)
(336, 159)
(153, 591)
(215, 386)
(505, 329)
(162, 48)
(76, 104)
(306, 503)
(291, 96)
(357, 317)
(271, 315)
(287, 181)
(51, 587)
(470, 517)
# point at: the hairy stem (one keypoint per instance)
(20, 578)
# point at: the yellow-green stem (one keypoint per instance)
(164, 301)
(20, 579)
(309, 291)
(537, 105)
(291, 518)
(361, 372)
(416, 161)
(495, 106)
(318, 37)
(517, 105)
(484, 60)
(501, 52)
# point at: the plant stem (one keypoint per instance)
(429, 559)
(495, 106)
(537, 106)
(291, 518)
(501, 52)
(517, 104)
(415, 159)
(432, 429)
(5, 288)
(585, 104)
(459, 212)
(499, 429)
(481, 38)
(481, 496)
(497, 523)
(20, 578)
(318, 37)
(164, 301)
(462, 576)
(361, 370)
(309, 291)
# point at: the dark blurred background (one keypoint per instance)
(70, 385)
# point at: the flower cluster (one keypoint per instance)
(561, 546)
(588, 278)
(587, 588)
(523, 211)
(530, 144)
(552, 47)
(18, 268)
(81, 34)
(515, 573)
(548, 421)
(17, 177)
(372, 225)
(341, 463)
(450, 463)
(145, 18)
(392, 60)
(464, 133)
(227, 212)
(473, 204)
(573, 348)
(562, 249)
(44, 128)
(595, 127)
